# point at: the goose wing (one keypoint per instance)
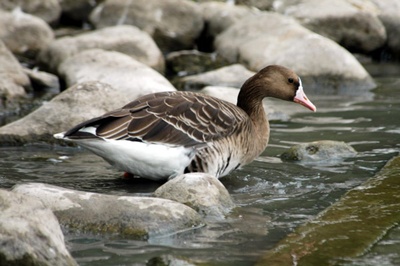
(174, 118)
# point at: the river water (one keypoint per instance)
(273, 196)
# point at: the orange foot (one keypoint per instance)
(127, 175)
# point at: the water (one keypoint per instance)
(273, 196)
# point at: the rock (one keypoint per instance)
(30, 233)
(130, 217)
(190, 62)
(13, 80)
(270, 38)
(389, 11)
(23, 33)
(130, 80)
(346, 230)
(230, 76)
(260, 4)
(220, 16)
(323, 150)
(354, 26)
(48, 10)
(133, 78)
(200, 191)
(125, 39)
(78, 11)
(174, 24)
(42, 80)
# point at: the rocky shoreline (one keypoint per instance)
(123, 49)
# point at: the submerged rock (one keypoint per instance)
(30, 233)
(271, 38)
(202, 192)
(348, 228)
(125, 216)
(322, 150)
(125, 39)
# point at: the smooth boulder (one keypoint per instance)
(174, 24)
(271, 38)
(126, 216)
(30, 233)
(13, 81)
(48, 10)
(133, 78)
(356, 27)
(23, 33)
(125, 39)
(200, 191)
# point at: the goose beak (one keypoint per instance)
(302, 99)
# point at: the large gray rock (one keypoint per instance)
(271, 38)
(23, 33)
(48, 10)
(389, 11)
(90, 75)
(133, 78)
(30, 233)
(200, 191)
(174, 24)
(354, 26)
(219, 16)
(13, 80)
(130, 217)
(125, 39)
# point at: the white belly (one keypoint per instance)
(151, 161)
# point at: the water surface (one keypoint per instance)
(273, 196)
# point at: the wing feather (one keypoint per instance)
(174, 118)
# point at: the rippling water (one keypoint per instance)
(274, 196)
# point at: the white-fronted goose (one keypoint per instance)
(165, 134)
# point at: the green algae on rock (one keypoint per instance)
(348, 228)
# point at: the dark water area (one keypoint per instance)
(273, 196)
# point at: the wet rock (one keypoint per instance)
(48, 10)
(202, 192)
(322, 150)
(348, 228)
(354, 26)
(190, 62)
(130, 217)
(30, 233)
(13, 80)
(133, 78)
(126, 39)
(86, 100)
(230, 76)
(42, 80)
(23, 33)
(270, 38)
(174, 24)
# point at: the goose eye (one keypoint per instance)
(290, 80)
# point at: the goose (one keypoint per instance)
(162, 135)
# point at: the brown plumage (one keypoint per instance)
(200, 132)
